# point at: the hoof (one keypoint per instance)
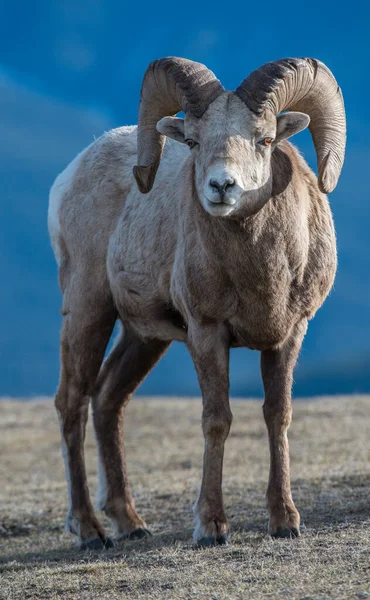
(210, 541)
(286, 532)
(97, 544)
(139, 534)
(222, 540)
(109, 543)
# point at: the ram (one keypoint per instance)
(233, 246)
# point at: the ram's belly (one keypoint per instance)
(143, 304)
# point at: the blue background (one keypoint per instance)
(71, 69)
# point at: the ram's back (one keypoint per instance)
(87, 198)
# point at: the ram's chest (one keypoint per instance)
(254, 299)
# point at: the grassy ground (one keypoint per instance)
(329, 441)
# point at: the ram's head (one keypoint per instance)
(232, 134)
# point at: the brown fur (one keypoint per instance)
(171, 271)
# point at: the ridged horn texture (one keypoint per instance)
(305, 85)
(169, 85)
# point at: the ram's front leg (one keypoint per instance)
(209, 348)
(277, 372)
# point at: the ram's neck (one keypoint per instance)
(282, 221)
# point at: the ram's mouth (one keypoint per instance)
(222, 201)
(220, 208)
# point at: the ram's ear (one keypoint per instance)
(172, 127)
(289, 124)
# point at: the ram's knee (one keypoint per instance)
(278, 415)
(72, 405)
(216, 426)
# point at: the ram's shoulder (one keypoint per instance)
(291, 168)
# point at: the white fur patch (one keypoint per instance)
(68, 476)
(197, 533)
(102, 484)
(59, 187)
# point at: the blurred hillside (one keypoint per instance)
(71, 70)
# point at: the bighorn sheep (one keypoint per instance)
(233, 246)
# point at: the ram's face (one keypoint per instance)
(232, 153)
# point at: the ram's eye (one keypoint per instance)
(267, 141)
(190, 143)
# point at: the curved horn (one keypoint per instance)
(305, 85)
(169, 86)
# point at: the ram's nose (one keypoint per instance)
(221, 186)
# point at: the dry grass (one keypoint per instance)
(331, 485)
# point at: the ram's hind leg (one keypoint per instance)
(277, 372)
(128, 364)
(85, 334)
